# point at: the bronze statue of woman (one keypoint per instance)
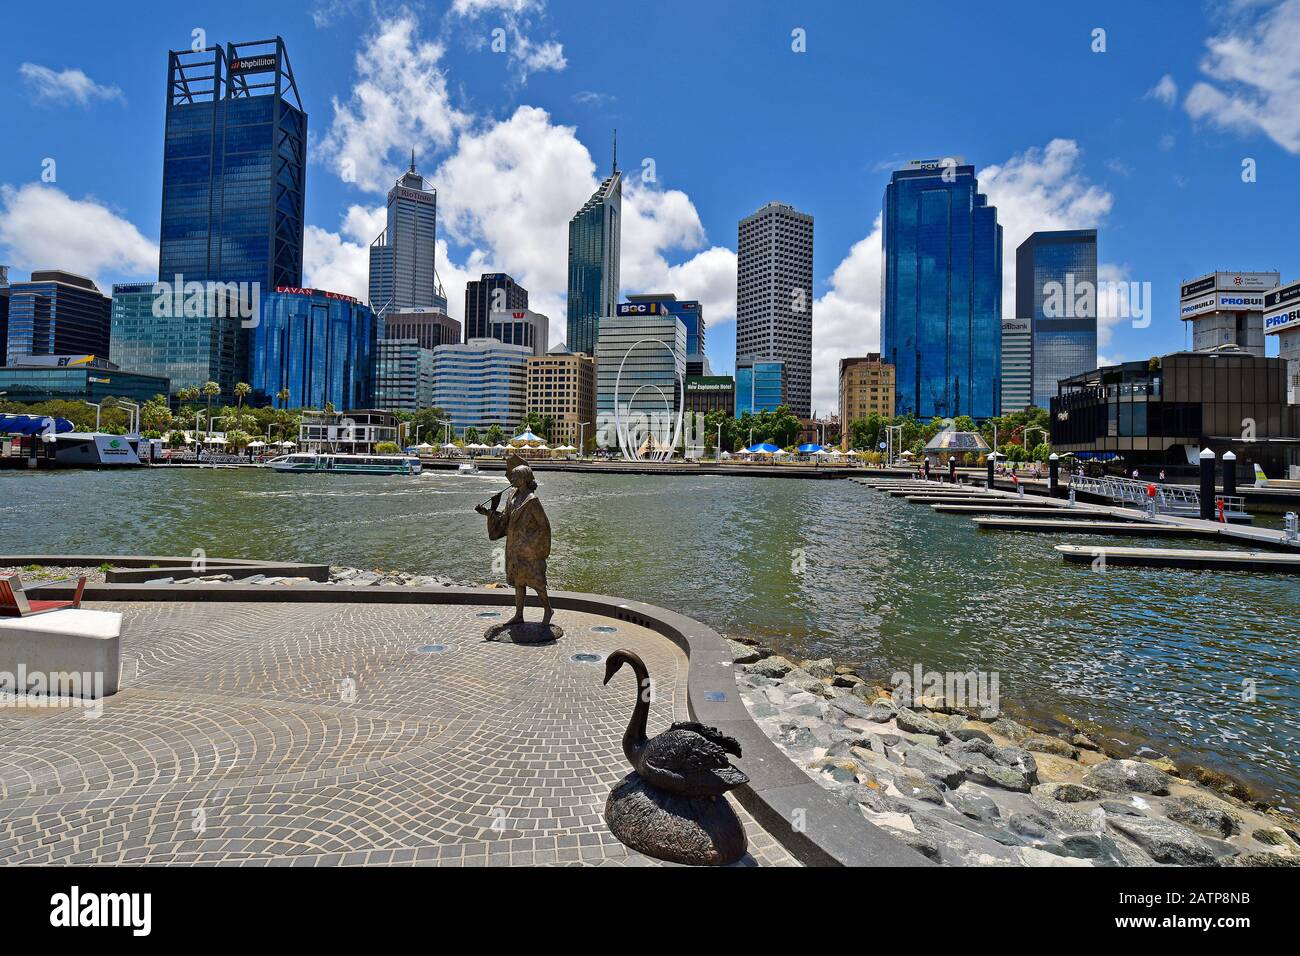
(523, 523)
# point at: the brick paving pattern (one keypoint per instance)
(319, 734)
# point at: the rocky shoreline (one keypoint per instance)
(974, 787)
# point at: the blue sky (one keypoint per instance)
(1145, 140)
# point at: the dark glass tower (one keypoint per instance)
(594, 235)
(1056, 289)
(941, 326)
(57, 313)
(492, 292)
(234, 167)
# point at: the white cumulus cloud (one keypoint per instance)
(42, 227)
(1254, 78)
(69, 85)
(1165, 91)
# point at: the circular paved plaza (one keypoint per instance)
(320, 734)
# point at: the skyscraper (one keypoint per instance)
(640, 375)
(942, 317)
(234, 167)
(521, 327)
(491, 292)
(481, 383)
(4, 312)
(774, 296)
(594, 235)
(1017, 365)
(57, 313)
(1056, 291)
(402, 273)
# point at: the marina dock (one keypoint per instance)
(1189, 559)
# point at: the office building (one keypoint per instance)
(562, 387)
(942, 319)
(481, 383)
(1227, 309)
(403, 375)
(234, 167)
(1056, 289)
(4, 313)
(774, 297)
(521, 327)
(319, 345)
(89, 378)
(641, 365)
(594, 236)
(428, 327)
(1282, 318)
(760, 385)
(57, 313)
(1017, 365)
(711, 393)
(866, 389)
(402, 273)
(491, 292)
(1159, 413)
(189, 348)
(690, 311)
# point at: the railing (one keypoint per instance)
(1169, 499)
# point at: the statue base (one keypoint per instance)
(697, 831)
(524, 632)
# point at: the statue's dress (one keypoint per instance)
(527, 531)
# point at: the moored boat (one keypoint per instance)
(347, 464)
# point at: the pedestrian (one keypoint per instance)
(1162, 476)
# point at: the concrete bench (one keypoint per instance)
(72, 641)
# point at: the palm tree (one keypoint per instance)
(211, 390)
(282, 396)
(242, 390)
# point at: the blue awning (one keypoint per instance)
(32, 424)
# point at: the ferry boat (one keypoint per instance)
(467, 468)
(347, 464)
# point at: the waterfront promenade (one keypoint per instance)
(309, 734)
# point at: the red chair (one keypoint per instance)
(14, 601)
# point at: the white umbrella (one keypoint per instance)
(424, 446)
(566, 448)
(214, 440)
(258, 443)
(822, 451)
(543, 447)
(287, 444)
(780, 451)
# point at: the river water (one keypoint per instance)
(1167, 659)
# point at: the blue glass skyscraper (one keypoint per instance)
(1056, 291)
(941, 325)
(594, 233)
(234, 167)
(318, 345)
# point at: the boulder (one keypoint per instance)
(1011, 729)
(974, 805)
(742, 653)
(914, 723)
(968, 732)
(1204, 815)
(1050, 745)
(820, 668)
(774, 666)
(1066, 792)
(1276, 836)
(1083, 741)
(1127, 776)
(848, 704)
(846, 680)
(1260, 858)
(1029, 825)
(1220, 782)
(934, 764)
(1164, 841)
(918, 787)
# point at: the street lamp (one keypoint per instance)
(582, 439)
(96, 406)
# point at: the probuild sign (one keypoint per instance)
(1282, 309)
(1225, 292)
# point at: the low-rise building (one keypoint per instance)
(42, 378)
(562, 387)
(355, 431)
(866, 389)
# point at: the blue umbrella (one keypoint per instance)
(809, 448)
(764, 447)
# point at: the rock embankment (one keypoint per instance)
(975, 787)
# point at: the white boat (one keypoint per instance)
(347, 464)
(467, 468)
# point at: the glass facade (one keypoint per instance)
(594, 236)
(234, 165)
(760, 385)
(521, 327)
(1056, 290)
(318, 345)
(56, 313)
(942, 316)
(188, 350)
(79, 379)
(690, 311)
(481, 383)
(404, 376)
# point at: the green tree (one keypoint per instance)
(210, 391)
(471, 436)
(242, 391)
(494, 435)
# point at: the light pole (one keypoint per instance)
(96, 407)
(134, 417)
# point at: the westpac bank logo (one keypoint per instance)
(208, 300)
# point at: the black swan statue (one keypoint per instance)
(672, 805)
(688, 758)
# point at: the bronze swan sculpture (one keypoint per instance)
(688, 758)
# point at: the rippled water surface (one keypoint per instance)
(813, 567)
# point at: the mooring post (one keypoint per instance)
(1229, 474)
(1207, 484)
(1053, 475)
(988, 482)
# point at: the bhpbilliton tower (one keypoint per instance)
(941, 326)
(234, 167)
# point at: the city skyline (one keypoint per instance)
(1150, 152)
